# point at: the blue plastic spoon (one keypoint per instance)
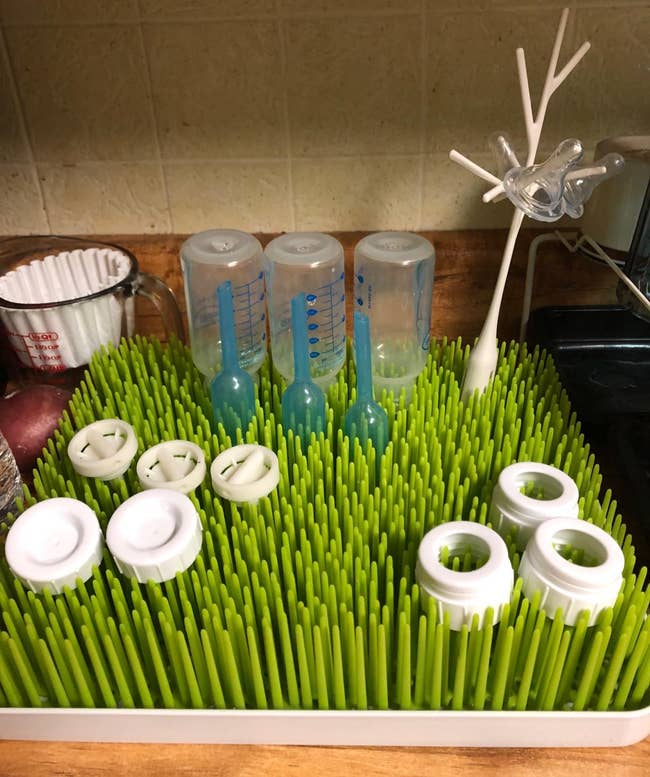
(365, 420)
(232, 390)
(303, 402)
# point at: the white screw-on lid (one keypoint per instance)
(103, 449)
(465, 594)
(175, 464)
(223, 247)
(395, 247)
(511, 509)
(572, 587)
(53, 543)
(304, 248)
(245, 473)
(154, 534)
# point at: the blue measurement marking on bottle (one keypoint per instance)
(248, 303)
(363, 290)
(423, 287)
(326, 319)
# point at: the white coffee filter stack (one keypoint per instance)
(66, 335)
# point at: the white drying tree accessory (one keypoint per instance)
(483, 358)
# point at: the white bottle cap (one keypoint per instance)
(465, 594)
(175, 464)
(154, 534)
(402, 248)
(572, 587)
(511, 509)
(245, 473)
(298, 249)
(53, 543)
(103, 449)
(225, 247)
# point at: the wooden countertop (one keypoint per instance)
(466, 268)
(55, 759)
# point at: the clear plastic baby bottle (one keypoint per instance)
(209, 259)
(309, 263)
(393, 284)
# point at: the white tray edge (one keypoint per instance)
(299, 727)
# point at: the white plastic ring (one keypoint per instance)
(465, 594)
(245, 473)
(103, 449)
(511, 510)
(53, 543)
(154, 534)
(572, 587)
(175, 464)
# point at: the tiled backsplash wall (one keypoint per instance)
(178, 115)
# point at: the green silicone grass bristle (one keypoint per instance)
(308, 599)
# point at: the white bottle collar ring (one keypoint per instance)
(513, 510)
(569, 586)
(462, 595)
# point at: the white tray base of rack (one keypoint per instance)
(299, 727)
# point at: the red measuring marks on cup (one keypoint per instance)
(39, 350)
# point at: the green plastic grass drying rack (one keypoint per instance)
(300, 621)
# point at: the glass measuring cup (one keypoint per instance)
(309, 263)
(209, 259)
(62, 298)
(393, 285)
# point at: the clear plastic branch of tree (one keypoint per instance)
(545, 191)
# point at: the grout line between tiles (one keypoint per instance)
(434, 8)
(423, 108)
(138, 20)
(287, 118)
(345, 12)
(154, 119)
(446, 9)
(529, 5)
(238, 160)
(22, 123)
(198, 19)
